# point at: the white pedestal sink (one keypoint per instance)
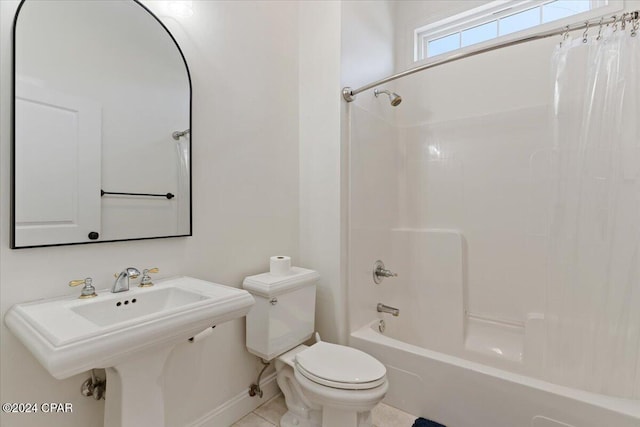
(130, 334)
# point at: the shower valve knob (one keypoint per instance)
(380, 272)
(383, 272)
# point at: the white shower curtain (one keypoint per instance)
(184, 193)
(593, 293)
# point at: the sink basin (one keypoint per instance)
(109, 312)
(70, 335)
(130, 334)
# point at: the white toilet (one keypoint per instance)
(325, 384)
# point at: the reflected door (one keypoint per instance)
(57, 196)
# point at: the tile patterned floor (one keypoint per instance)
(269, 414)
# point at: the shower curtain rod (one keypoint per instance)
(350, 94)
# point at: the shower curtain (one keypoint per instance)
(593, 292)
(184, 194)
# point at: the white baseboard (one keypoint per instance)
(238, 406)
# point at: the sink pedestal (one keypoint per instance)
(135, 391)
(129, 333)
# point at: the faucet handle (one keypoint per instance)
(131, 272)
(145, 282)
(78, 282)
(380, 272)
(88, 291)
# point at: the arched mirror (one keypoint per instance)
(101, 125)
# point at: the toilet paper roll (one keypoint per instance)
(280, 265)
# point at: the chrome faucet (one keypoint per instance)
(122, 280)
(386, 309)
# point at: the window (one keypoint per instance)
(500, 19)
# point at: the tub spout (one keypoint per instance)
(386, 309)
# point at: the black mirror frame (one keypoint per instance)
(13, 141)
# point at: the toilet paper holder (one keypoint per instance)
(201, 335)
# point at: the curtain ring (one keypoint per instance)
(623, 21)
(586, 31)
(565, 35)
(600, 30)
(615, 23)
(635, 24)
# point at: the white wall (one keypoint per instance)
(245, 182)
(368, 47)
(320, 161)
(341, 43)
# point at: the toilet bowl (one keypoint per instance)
(324, 385)
(329, 385)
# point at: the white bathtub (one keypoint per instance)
(461, 393)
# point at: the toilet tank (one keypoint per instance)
(284, 313)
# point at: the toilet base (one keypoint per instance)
(329, 418)
(292, 420)
(314, 405)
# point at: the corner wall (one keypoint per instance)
(320, 162)
(368, 54)
(347, 43)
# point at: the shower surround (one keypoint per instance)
(458, 199)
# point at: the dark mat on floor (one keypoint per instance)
(423, 422)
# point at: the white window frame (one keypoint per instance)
(500, 9)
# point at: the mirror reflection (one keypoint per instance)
(101, 125)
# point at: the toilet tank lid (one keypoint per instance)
(269, 285)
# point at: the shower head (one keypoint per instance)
(394, 98)
(179, 134)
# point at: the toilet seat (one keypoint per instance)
(340, 367)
